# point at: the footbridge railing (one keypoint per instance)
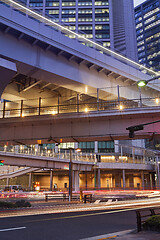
(44, 106)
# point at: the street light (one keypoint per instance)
(142, 83)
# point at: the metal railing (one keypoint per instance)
(32, 107)
(123, 154)
(76, 36)
(76, 156)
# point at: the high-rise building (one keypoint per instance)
(110, 22)
(147, 17)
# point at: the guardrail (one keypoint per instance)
(61, 196)
(143, 214)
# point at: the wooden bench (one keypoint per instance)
(143, 214)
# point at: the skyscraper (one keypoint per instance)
(110, 22)
(147, 17)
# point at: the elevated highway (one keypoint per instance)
(44, 54)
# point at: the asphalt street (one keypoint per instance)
(66, 226)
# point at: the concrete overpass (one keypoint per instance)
(49, 64)
(131, 162)
(79, 127)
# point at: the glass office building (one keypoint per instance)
(147, 17)
(109, 22)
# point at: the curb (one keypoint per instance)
(111, 235)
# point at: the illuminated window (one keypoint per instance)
(153, 24)
(141, 48)
(139, 25)
(85, 27)
(53, 12)
(140, 43)
(68, 3)
(99, 19)
(151, 12)
(68, 11)
(106, 44)
(86, 11)
(101, 3)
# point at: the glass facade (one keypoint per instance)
(147, 18)
(90, 17)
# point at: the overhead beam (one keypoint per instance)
(81, 62)
(7, 29)
(109, 74)
(31, 86)
(34, 42)
(92, 66)
(60, 53)
(21, 36)
(100, 70)
(46, 85)
(48, 47)
(71, 58)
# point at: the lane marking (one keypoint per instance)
(11, 229)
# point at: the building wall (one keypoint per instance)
(147, 18)
(124, 39)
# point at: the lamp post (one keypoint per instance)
(70, 175)
(143, 83)
(70, 172)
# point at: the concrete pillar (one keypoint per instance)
(117, 180)
(56, 148)
(86, 183)
(73, 183)
(124, 179)
(96, 146)
(76, 180)
(150, 180)
(116, 147)
(158, 173)
(131, 182)
(153, 181)
(51, 180)
(142, 179)
(30, 181)
(7, 183)
(99, 178)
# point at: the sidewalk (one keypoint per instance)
(144, 235)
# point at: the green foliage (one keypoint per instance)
(152, 223)
(22, 203)
(18, 204)
(7, 205)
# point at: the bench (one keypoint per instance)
(143, 214)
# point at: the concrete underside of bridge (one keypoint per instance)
(78, 127)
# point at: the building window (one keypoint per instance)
(107, 146)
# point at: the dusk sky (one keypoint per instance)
(137, 2)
